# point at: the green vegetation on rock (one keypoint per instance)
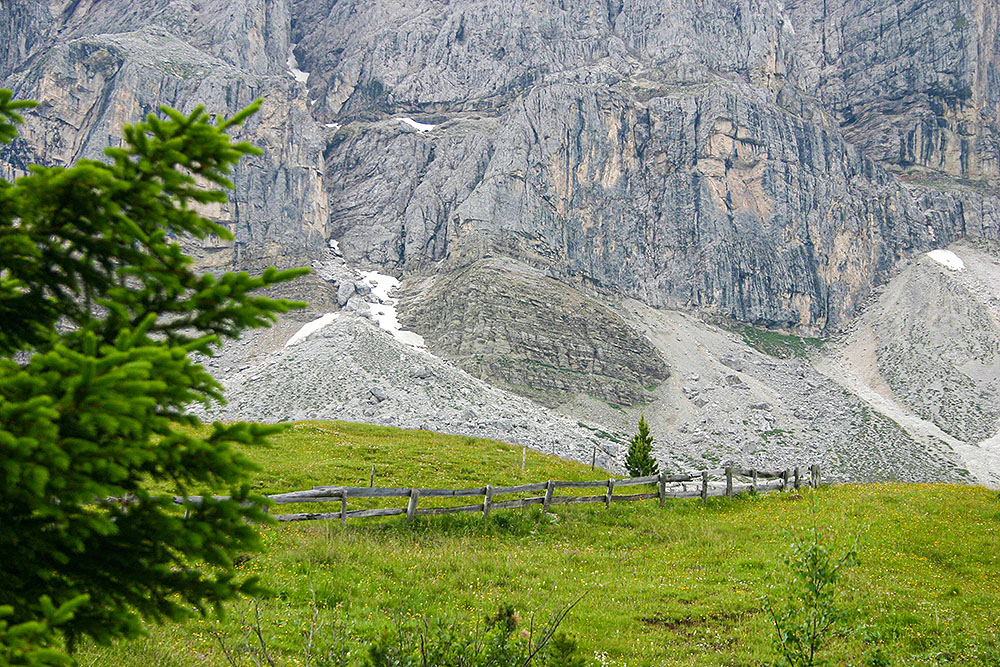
(773, 343)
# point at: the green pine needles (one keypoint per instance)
(640, 461)
(100, 310)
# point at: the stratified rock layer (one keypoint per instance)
(539, 337)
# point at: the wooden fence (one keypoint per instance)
(703, 487)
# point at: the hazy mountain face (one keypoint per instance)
(767, 160)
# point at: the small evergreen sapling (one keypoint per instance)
(640, 461)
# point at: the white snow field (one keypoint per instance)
(947, 259)
(311, 328)
(384, 309)
(419, 127)
(293, 66)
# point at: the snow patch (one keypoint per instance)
(310, 328)
(947, 259)
(419, 127)
(381, 284)
(384, 309)
(332, 126)
(293, 66)
(410, 338)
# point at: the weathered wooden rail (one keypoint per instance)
(701, 486)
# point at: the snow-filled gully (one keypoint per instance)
(382, 308)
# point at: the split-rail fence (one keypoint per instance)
(754, 480)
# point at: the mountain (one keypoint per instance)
(565, 187)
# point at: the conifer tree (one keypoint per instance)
(640, 461)
(100, 312)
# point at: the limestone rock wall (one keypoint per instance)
(914, 83)
(736, 157)
(767, 160)
(95, 66)
(700, 196)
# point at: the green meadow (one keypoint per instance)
(684, 584)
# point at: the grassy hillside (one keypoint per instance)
(680, 585)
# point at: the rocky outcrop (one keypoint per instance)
(538, 337)
(22, 25)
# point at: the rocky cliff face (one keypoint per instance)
(913, 83)
(95, 66)
(770, 161)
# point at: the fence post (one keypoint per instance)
(729, 481)
(593, 459)
(343, 507)
(662, 481)
(487, 500)
(815, 476)
(371, 482)
(798, 482)
(548, 496)
(611, 489)
(411, 507)
(704, 487)
(784, 480)
(524, 458)
(753, 480)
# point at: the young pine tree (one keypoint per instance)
(100, 311)
(640, 461)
